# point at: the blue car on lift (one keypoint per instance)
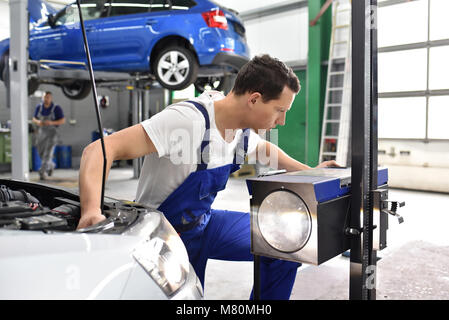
(180, 42)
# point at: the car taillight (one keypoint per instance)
(215, 19)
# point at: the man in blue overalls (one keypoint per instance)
(48, 117)
(190, 150)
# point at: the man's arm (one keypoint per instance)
(58, 122)
(129, 143)
(37, 121)
(59, 115)
(278, 159)
(53, 123)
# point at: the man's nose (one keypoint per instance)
(281, 120)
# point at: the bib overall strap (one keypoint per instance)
(41, 110)
(206, 139)
(242, 148)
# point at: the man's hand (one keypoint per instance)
(46, 123)
(328, 164)
(90, 218)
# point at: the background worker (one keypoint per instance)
(48, 117)
(191, 148)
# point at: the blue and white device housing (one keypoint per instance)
(302, 216)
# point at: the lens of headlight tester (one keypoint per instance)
(284, 221)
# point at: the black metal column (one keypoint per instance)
(256, 285)
(364, 149)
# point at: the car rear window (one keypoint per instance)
(159, 5)
(122, 7)
(182, 4)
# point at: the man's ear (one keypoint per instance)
(253, 98)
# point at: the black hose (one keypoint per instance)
(6, 194)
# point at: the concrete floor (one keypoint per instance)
(414, 266)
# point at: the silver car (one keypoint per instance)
(134, 254)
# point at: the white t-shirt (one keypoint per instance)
(177, 133)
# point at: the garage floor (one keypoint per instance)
(414, 266)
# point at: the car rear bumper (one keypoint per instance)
(230, 59)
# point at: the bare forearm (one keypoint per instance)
(57, 122)
(90, 176)
(278, 159)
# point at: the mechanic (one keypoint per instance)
(184, 190)
(48, 117)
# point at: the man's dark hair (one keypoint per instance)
(48, 92)
(265, 75)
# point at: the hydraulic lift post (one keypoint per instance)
(364, 173)
(17, 88)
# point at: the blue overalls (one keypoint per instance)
(46, 140)
(221, 234)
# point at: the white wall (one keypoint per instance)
(247, 5)
(283, 35)
(421, 166)
(4, 20)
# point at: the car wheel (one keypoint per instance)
(33, 84)
(175, 68)
(211, 83)
(4, 72)
(76, 90)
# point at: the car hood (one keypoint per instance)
(39, 10)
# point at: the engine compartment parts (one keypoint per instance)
(27, 206)
(20, 210)
(6, 195)
(41, 222)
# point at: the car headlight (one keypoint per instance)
(284, 221)
(164, 257)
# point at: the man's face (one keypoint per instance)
(267, 115)
(47, 99)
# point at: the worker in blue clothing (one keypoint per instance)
(48, 117)
(190, 149)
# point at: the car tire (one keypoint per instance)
(212, 83)
(175, 68)
(4, 71)
(33, 84)
(76, 90)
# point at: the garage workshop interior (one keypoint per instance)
(224, 149)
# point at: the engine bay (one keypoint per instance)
(29, 206)
(21, 210)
